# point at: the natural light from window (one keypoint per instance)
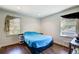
(14, 26)
(68, 27)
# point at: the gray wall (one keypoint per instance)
(27, 24)
(50, 25)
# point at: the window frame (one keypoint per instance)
(7, 24)
(14, 26)
(61, 32)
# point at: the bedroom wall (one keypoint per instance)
(50, 25)
(30, 24)
(27, 24)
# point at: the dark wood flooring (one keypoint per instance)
(22, 49)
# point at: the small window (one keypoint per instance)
(12, 25)
(68, 27)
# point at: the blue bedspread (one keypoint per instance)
(37, 40)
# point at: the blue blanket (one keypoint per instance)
(36, 40)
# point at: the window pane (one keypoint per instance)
(68, 27)
(14, 26)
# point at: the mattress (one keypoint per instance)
(37, 40)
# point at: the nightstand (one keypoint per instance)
(73, 45)
(21, 38)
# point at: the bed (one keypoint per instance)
(37, 42)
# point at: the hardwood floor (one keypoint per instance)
(22, 49)
(15, 49)
(56, 49)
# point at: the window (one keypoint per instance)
(68, 27)
(12, 25)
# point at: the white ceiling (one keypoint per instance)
(36, 10)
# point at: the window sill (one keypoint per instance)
(68, 36)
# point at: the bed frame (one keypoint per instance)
(32, 49)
